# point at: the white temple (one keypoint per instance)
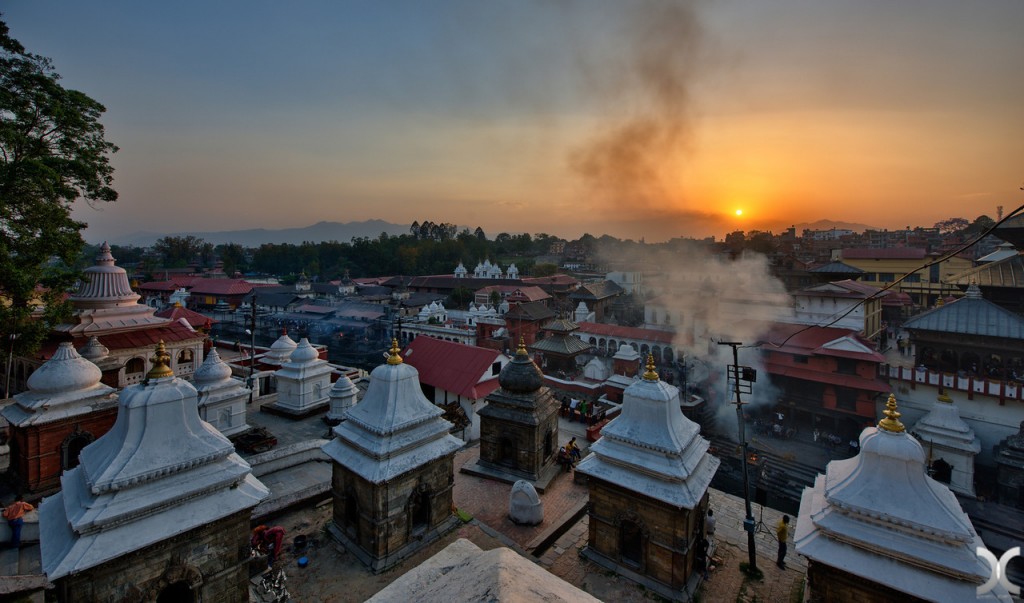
(651, 448)
(880, 518)
(434, 310)
(948, 439)
(64, 387)
(159, 472)
(222, 398)
(460, 270)
(487, 270)
(105, 300)
(583, 313)
(394, 429)
(304, 381)
(343, 397)
(281, 350)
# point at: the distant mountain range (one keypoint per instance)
(830, 224)
(254, 237)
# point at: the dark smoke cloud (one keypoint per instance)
(647, 87)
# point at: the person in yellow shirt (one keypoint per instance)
(782, 533)
(15, 516)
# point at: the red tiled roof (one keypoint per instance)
(808, 341)
(193, 318)
(453, 367)
(603, 330)
(843, 380)
(138, 338)
(223, 286)
(889, 253)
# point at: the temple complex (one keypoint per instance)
(559, 346)
(519, 425)
(876, 527)
(65, 408)
(392, 469)
(158, 509)
(649, 475)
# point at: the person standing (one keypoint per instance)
(709, 524)
(15, 516)
(782, 533)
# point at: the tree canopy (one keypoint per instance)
(53, 152)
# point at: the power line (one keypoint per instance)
(886, 288)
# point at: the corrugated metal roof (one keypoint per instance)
(836, 268)
(1008, 272)
(970, 315)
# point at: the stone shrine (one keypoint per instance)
(876, 528)
(393, 469)
(524, 506)
(1010, 469)
(65, 408)
(649, 475)
(302, 383)
(158, 509)
(222, 398)
(951, 446)
(342, 397)
(519, 426)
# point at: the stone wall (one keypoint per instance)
(826, 583)
(668, 533)
(212, 560)
(383, 522)
(37, 450)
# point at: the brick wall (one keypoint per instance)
(826, 583)
(36, 449)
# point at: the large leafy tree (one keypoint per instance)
(53, 152)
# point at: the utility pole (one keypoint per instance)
(746, 374)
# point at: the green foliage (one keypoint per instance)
(179, 252)
(52, 153)
(544, 269)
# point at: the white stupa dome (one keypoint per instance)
(65, 371)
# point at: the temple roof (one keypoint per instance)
(66, 385)
(394, 429)
(1007, 272)
(454, 367)
(160, 471)
(970, 315)
(561, 344)
(879, 516)
(836, 268)
(651, 448)
(943, 426)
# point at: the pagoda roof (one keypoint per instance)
(651, 448)
(160, 471)
(531, 311)
(394, 429)
(596, 291)
(970, 315)
(1007, 272)
(562, 345)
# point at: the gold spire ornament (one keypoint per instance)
(393, 357)
(521, 351)
(161, 363)
(651, 374)
(891, 422)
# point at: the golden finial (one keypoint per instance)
(521, 351)
(177, 304)
(161, 363)
(891, 422)
(651, 374)
(944, 397)
(393, 357)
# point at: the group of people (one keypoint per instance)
(569, 455)
(571, 406)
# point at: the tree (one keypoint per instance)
(179, 252)
(52, 152)
(952, 225)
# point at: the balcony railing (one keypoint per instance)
(1004, 390)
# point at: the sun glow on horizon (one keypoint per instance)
(739, 212)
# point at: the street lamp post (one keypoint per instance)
(739, 373)
(252, 344)
(10, 363)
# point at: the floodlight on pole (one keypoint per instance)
(740, 373)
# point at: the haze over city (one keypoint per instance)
(647, 119)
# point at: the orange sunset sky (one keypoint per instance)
(642, 119)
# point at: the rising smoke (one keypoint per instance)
(710, 299)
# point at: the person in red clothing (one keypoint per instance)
(268, 541)
(15, 516)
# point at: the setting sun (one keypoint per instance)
(739, 212)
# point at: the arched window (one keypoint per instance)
(72, 446)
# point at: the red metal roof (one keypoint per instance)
(451, 366)
(808, 341)
(222, 286)
(603, 330)
(841, 379)
(138, 338)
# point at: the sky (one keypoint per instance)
(642, 119)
